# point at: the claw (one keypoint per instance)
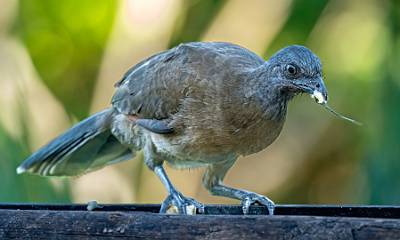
(251, 198)
(166, 204)
(271, 208)
(179, 204)
(246, 205)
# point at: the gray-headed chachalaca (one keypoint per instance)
(200, 104)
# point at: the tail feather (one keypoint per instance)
(87, 146)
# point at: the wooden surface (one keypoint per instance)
(32, 221)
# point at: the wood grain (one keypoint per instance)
(101, 224)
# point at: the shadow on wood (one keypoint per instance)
(40, 221)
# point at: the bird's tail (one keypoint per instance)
(87, 146)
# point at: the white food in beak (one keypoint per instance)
(318, 95)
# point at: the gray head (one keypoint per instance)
(295, 69)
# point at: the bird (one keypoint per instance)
(197, 105)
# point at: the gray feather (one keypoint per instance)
(155, 126)
(87, 146)
(155, 88)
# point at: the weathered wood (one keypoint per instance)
(368, 211)
(76, 223)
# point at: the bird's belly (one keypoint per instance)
(180, 152)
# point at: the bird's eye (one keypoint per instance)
(291, 69)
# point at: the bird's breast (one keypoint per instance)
(256, 138)
(214, 139)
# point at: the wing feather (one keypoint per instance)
(155, 88)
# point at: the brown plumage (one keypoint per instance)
(196, 105)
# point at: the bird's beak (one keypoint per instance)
(320, 94)
(316, 88)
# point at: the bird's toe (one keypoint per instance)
(176, 203)
(252, 198)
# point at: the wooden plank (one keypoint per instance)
(382, 211)
(77, 224)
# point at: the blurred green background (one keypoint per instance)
(60, 59)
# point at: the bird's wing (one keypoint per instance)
(154, 88)
(150, 89)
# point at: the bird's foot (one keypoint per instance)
(182, 204)
(251, 198)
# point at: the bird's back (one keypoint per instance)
(155, 87)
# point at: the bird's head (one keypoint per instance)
(295, 69)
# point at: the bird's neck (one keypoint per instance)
(268, 94)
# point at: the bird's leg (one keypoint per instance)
(174, 197)
(212, 180)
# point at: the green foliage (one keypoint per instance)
(383, 162)
(24, 188)
(302, 19)
(66, 41)
(194, 20)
